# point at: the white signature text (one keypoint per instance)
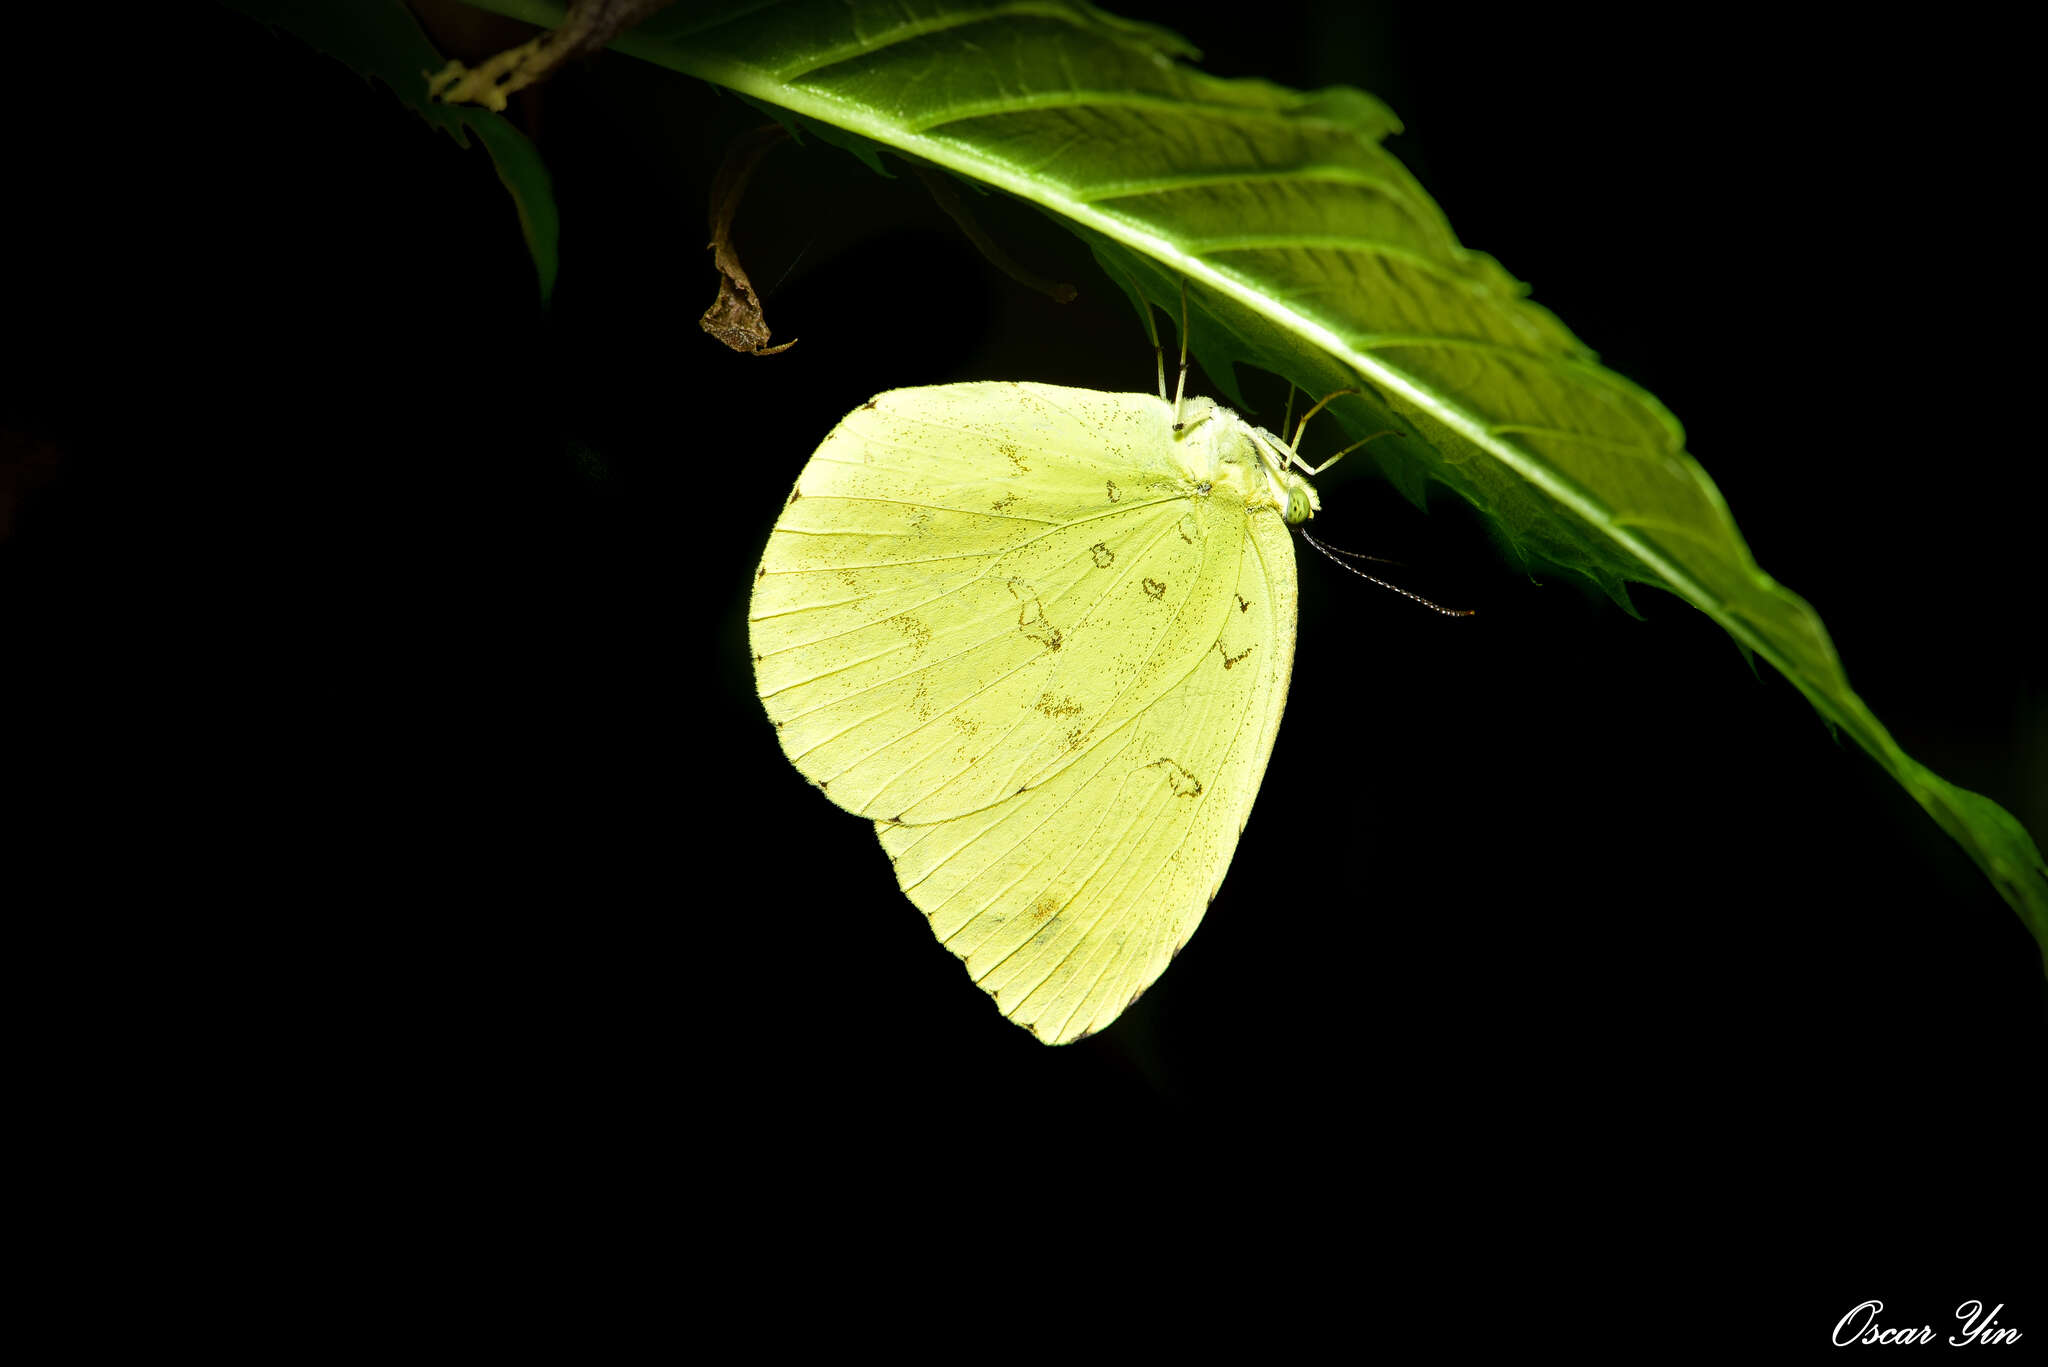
(1979, 1326)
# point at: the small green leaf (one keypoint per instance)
(381, 40)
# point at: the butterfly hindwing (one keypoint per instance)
(1067, 901)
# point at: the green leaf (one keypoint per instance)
(1307, 250)
(380, 39)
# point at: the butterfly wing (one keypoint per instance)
(1010, 625)
(1066, 901)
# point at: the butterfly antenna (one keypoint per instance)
(1332, 553)
(1180, 385)
(1360, 555)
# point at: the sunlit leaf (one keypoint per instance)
(1311, 252)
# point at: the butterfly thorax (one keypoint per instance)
(1220, 447)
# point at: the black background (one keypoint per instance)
(393, 637)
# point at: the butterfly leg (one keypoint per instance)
(1180, 386)
(1151, 330)
(1318, 469)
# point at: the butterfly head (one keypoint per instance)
(1292, 494)
(1302, 503)
(1253, 460)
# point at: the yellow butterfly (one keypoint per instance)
(1041, 637)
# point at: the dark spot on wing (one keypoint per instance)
(1183, 783)
(1230, 660)
(1050, 706)
(1031, 618)
(868, 405)
(1100, 550)
(914, 629)
(1114, 494)
(1242, 606)
(1154, 589)
(1002, 505)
